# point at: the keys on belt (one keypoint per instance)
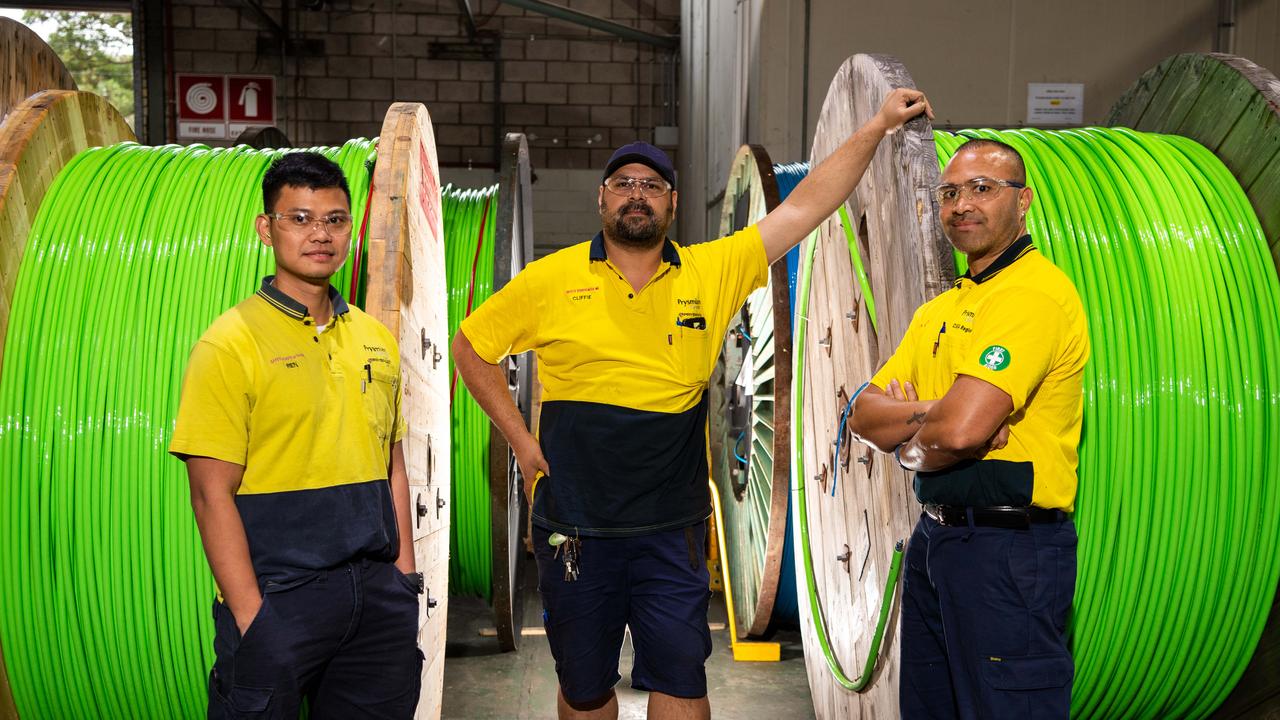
(568, 549)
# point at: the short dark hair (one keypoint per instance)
(301, 169)
(1020, 168)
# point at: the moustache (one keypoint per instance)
(636, 207)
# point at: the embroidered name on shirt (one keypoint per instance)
(581, 293)
(286, 359)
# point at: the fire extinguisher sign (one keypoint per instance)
(251, 100)
(220, 107)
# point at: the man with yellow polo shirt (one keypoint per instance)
(627, 328)
(983, 400)
(290, 427)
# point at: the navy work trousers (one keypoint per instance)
(983, 616)
(346, 639)
(658, 585)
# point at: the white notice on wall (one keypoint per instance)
(1055, 104)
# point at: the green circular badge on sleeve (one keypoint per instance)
(995, 357)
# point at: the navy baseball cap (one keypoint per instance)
(645, 154)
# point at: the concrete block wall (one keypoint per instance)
(565, 210)
(576, 93)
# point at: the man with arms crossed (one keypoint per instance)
(983, 400)
(290, 426)
(627, 328)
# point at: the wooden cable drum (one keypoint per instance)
(27, 66)
(38, 137)
(1231, 106)
(856, 506)
(406, 290)
(750, 421)
(263, 137)
(513, 249)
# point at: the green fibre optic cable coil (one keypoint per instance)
(1178, 557)
(104, 589)
(470, 217)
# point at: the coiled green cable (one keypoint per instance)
(1178, 557)
(470, 217)
(104, 589)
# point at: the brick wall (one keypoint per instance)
(564, 204)
(575, 93)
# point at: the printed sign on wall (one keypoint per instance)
(251, 101)
(202, 110)
(1055, 104)
(220, 107)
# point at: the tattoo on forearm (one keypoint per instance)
(916, 419)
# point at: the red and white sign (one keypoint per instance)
(220, 107)
(251, 101)
(202, 107)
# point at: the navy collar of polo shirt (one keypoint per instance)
(1020, 247)
(669, 252)
(295, 309)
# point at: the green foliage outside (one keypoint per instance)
(98, 50)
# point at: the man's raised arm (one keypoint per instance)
(833, 180)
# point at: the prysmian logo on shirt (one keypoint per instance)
(691, 302)
(585, 293)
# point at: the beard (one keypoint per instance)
(642, 233)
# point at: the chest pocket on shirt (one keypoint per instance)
(693, 346)
(379, 401)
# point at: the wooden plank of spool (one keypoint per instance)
(29, 66)
(37, 139)
(406, 291)
(513, 249)
(756, 563)
(852, 534)
(263, 137)
(1250, 148)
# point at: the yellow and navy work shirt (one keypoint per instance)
(1018, 325)
(311, 416)
(624, 374)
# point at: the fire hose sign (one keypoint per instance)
(220, 107)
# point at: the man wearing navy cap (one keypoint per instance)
(627, 328)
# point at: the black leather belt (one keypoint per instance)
(1001, 516)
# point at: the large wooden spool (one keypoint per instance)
(853, 533)
(755, 493)
(513, 249)
(1231, 106)
(1226, 103)
(27, 66)
(406, 291)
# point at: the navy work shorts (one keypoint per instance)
(346, 639)
(656, 584)
(984, 612)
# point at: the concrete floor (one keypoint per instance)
(481, 683)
